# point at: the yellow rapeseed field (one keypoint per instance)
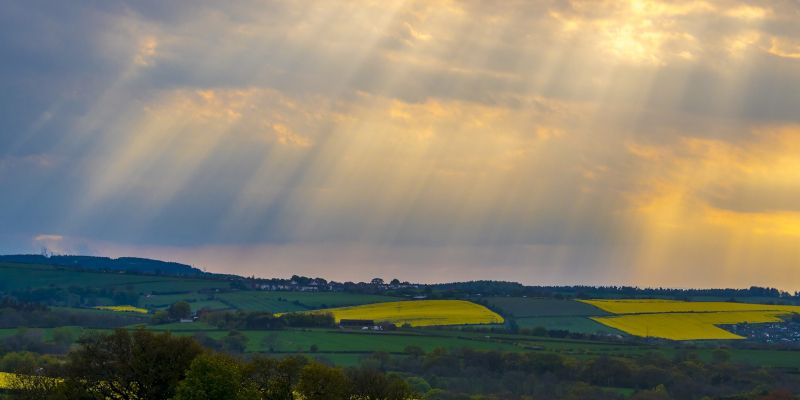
(682, 320)
(123, 309)
(687, 326)
(6, 380)
(10, 381)
(420, 313)
(639, 306)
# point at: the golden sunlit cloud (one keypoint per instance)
(606, 141)
(730, 198)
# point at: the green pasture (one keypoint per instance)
(296, 301)
(521, 307)
(572, 324)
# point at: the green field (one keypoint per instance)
(46, 333)
(296, 301)
(572, 324)
(24, 276)
(346, 347)
(551, 314)
(521, 307)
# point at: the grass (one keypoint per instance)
(337, 341)
(345, 347)
(296, 301)
(24, 276)
(680, 320)
(27, 276)
(763, 358)
(208, 304)
(421, 313)
(46, 333)
(175, 285)
(572, 324)
(165, 300)
(552, 314)
(181, 327)
(522, 307)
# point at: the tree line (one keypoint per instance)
(141, 364)
(144, 365)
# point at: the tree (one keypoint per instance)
(212, 377)
(290, 372)
(372, 384)
(21, 362)
(418, 384)
(62, 337)
(414, 351)
(270, 341)
(180, 310)
(320, 382)
(658, 393)
(779, 394)
(235, 342)
(273, 379)
(128, 365)
(160, 317)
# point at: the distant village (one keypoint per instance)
(787, 333)
(305, 284)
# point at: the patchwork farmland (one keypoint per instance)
(516, 326)
(681, 320)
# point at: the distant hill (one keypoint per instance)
(127, 264)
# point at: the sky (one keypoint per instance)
(635, 142)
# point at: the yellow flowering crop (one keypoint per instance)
(123, 309)
(420, 313)
(682, 320)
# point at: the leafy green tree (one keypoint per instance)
(160, 317)
(414, 351)
(320, 382)
(235, 342)
(270, 342)
(62, 337)
(583, 391)
(418, 384)
(20, 361)
(779, 394)
(180, 310)
(213, 377)
(128, 365)
(658, 393)
(272, 378)
(372, 384)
